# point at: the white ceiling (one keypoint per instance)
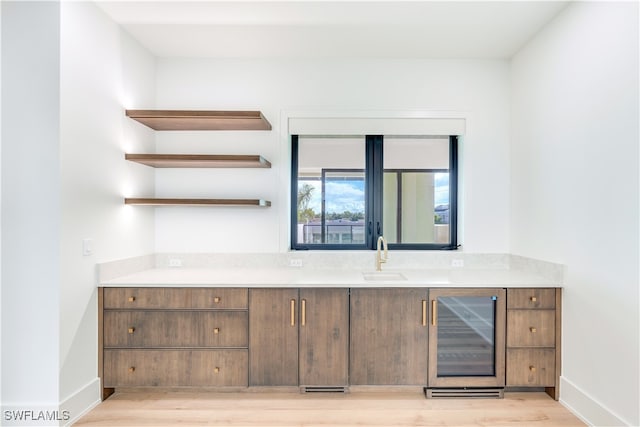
(339, 29)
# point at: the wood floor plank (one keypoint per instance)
(291, 409)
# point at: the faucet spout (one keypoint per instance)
(380, 258)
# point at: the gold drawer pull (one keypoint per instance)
(424, 312)
(216, 331)
(132, 299)
(132, 369)
(217, 299)
(533, 330)
(532, 368)
(533, 299)
(216, 370)
(132, 330)
(293, 312)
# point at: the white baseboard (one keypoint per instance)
(586, 407)
(82, 401)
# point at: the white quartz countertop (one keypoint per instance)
(311, 277)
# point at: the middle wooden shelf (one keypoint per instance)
(199, 160)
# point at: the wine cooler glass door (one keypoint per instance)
(466, 338)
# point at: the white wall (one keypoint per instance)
(476, 89)
(574, 194)
(103, 71)
(30, 203)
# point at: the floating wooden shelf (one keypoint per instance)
(200, 120)
(196, 202)
(199, 161)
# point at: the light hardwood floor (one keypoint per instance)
(293, 409)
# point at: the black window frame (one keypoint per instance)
(374, 171)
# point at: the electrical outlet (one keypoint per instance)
(295, 262)
(175, 262)
(457, 263)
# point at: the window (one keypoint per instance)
(347, 191)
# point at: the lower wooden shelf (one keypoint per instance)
(195, 202)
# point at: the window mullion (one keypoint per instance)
(375, 169)
(453, 191)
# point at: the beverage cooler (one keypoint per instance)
(466, 342)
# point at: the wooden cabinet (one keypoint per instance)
(298, 337)
(173, 337)
(388, 337)
(533, 339)
(330, 338)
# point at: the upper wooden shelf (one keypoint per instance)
(199, 160)
(200, 120)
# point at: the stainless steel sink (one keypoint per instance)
(383, 275)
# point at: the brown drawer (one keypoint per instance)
(531, 328)
(528, 367)
(175, 368)
(175, 328)
(181, 298)
(531, 298)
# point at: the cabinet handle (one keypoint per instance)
(217, 299)
(216, 370)
(434, 311)
(533, 330)
(216, 330)
(304, 312)
(132, 330)
(132, 299)
(532, 368)
(132, 369)
(293, 312)
(424, 312)
(533, 299)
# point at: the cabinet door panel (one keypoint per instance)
(388, 337)
(273, 337)
(324, 337)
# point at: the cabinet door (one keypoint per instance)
(324, 337)
(388, 337)
(273, 337)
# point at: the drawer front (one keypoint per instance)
(180, 298)
(531, 298)
(531, 328)
(528, 367)
(175, 328)
(175, 368)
